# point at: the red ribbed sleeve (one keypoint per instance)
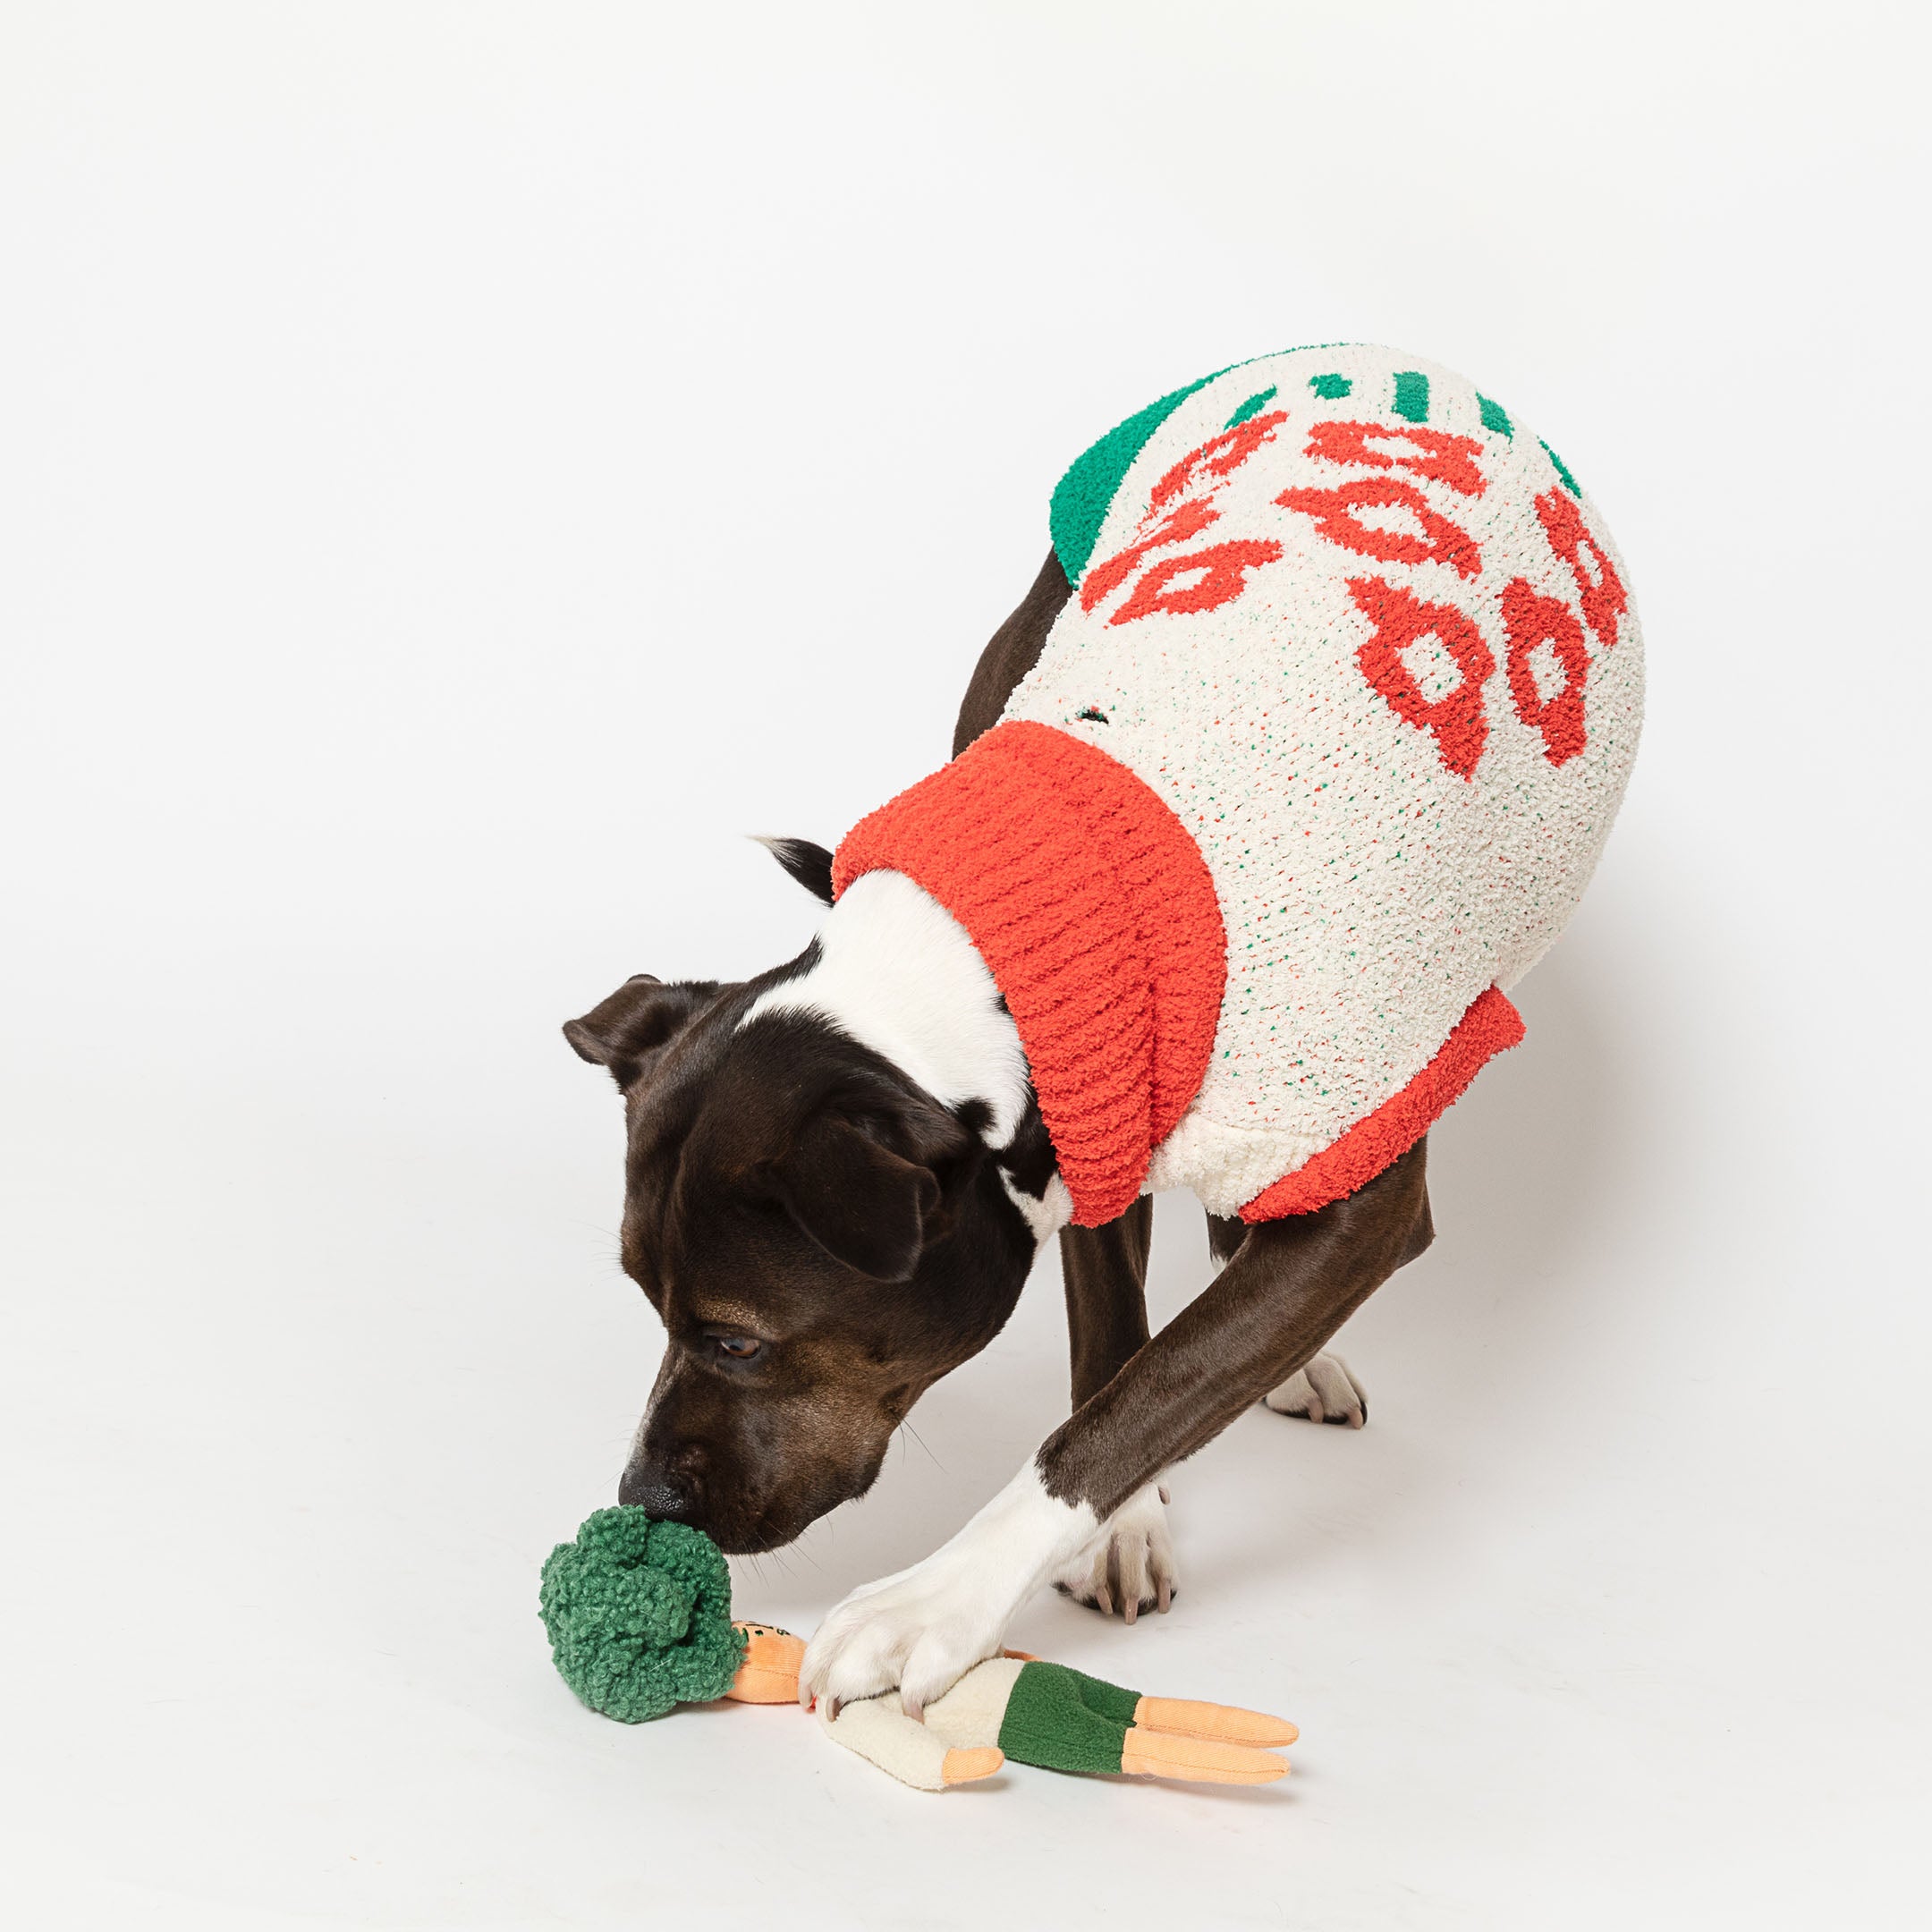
(1094, 910)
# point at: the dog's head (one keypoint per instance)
(822, 1238)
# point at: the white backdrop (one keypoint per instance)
(464, 467)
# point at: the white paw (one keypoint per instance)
(925, 1627)
(1323, 1392)
(921, 1630)
(1130, 1567)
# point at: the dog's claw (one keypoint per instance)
(1322, 1391)
(1130, 1567)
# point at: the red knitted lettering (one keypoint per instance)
(1333, 513)
(1436, 455)
(1189, 521)
(1605, 598)
(1225, 564)
(1219, 456)
(1455, 720)
(1531, 620)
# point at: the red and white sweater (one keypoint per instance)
(1314, 766)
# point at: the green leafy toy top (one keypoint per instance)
(639, 1614)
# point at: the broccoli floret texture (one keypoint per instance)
(639, 1614)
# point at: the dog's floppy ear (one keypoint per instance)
(627, 1031)
(872, 1205)
(811, 865)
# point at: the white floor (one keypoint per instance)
(1602, 1618)
(465, 466)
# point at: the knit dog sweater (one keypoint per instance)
(1313, 766)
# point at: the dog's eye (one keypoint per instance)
(740, 1348)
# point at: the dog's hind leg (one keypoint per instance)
(1324, 1389)
(1129, 1566)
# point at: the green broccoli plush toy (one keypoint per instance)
(639, 1614)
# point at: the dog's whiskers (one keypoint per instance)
(906, 1428)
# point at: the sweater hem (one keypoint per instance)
(1378, 1140)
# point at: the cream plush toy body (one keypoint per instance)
(1020, 1706)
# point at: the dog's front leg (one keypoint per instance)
(926, 1626)
(1291, 1287)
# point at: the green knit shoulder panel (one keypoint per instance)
(639, 1615)
(1081, 496)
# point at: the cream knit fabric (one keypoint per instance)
(1356, 626)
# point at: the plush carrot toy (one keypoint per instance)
(639, 1614)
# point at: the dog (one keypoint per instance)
(839, 1174)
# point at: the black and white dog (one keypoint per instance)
(1295, 758)
(837, 1179)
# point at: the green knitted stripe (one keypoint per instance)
(1493, 415)
(1330, 388)
(1080, 498)
(1253, 406)
(1048, 1722)
(1562, 470)
(1411, 395)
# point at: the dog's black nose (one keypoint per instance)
(671, 1490)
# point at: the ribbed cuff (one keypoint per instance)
(1094, 910)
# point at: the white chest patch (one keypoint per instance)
(897, 973)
